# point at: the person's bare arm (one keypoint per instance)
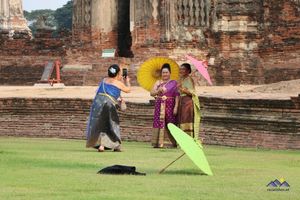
(175, 111)
(186, 90)
(125, 88)
(154, 90)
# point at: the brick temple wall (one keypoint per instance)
(253, 123)
(258, 41)
(22, 70)
(254, 42)
(22, 59)
(98, 70)
(258, 123)
(87, 44)
(280, 46)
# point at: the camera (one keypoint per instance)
(124, 72)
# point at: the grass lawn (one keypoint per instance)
(65, 169)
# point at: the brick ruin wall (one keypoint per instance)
(259, 123)
(270, 54)
(265, 49)
(22, 58)
(280, 45)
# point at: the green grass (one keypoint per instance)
(65, 169)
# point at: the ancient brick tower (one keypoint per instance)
(126, 23)
(12, 20)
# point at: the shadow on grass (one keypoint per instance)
(184, 172)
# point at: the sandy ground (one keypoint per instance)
(281, 90)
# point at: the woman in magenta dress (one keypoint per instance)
(165, 111)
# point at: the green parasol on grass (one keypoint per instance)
(192, 148)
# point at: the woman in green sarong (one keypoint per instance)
(189, 106)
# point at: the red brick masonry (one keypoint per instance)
(262, 123)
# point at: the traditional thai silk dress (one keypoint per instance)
(103, 125)
(189, 109)
(163, 114)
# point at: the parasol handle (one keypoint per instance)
(161, 171)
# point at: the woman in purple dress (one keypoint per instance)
(165, 111)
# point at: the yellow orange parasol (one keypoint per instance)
(149, 72)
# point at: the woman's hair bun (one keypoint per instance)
(113, 70)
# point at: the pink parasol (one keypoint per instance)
(201, 67)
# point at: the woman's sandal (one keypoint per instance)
(118, 149)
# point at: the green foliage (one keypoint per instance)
(63, 16)
(60, 18)
(65, 169)
(33, 15)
